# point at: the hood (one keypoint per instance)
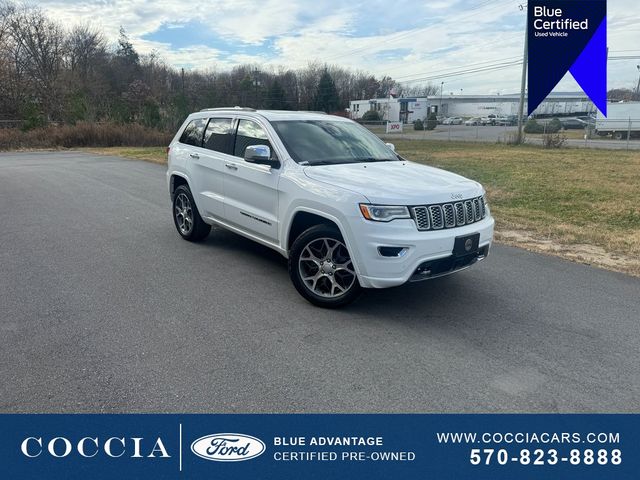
(397, 183)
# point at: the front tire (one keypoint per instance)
(186, 217)
(321, 268)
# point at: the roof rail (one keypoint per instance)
(245, 109)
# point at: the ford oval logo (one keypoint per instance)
(228, 447)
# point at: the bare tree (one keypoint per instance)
(49, 74)
(86, 51)
(39, 52)
(6, 12)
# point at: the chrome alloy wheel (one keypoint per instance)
(184, 214)
(326, 267)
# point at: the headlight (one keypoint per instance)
(383, 213)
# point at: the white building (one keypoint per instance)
(408, 110)
(557, 103)
(392, 109)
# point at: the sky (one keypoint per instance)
(412, 41)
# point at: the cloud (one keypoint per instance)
(405, 39)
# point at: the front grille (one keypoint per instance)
(421, 217)
(449, 215)
(468, 209)
(435, 215)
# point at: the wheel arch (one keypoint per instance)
(303, 219)
(293, 230)
(175, 180)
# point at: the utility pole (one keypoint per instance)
(441, 89)
(523, 86)
(256, 83)
(638, 87)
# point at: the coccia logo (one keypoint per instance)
(228, 447)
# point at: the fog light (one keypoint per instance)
(392, 251)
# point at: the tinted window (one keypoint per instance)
(321, 142)
(192, 135)
(217, 136)
(249, 133)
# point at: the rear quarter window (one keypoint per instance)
(193, 132)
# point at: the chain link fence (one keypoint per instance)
(603, 133)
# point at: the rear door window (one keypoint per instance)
(217, 135)
(192, 134)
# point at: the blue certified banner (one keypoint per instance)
(319, 446)
(567, 36)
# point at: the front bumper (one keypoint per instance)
(423, 252)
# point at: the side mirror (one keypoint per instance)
(261, 155)
(391, 146)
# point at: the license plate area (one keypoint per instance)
(466, 245)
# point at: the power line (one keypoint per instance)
(459, 73)
(448, 70)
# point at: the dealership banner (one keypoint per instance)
(316, 446)
(567, 36)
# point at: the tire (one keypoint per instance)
(620, 136)
(321, 268)
(186, 217)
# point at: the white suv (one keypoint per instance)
(340, 204)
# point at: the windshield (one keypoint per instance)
(328, 142)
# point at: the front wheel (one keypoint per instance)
(321, 268)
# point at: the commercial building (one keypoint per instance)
(557, 103)
(409, 109)
(406, 110)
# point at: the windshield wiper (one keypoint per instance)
(371, 159)
(323, 162)
(349, 161)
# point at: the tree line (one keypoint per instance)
(52, 74)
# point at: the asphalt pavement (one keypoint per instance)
(104, 308)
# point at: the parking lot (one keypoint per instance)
(105, 309)
(501, 134)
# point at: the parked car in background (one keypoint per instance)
(472, 122)
(589, 120)
(453, 121)
(488, 120)
(573, 124)
(507, 120)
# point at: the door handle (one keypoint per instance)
(231, 166)
(194, 155)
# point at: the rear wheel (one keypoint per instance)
(321, 268)
(186, 218)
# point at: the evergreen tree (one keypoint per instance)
(327, 99)
(432, 121)
(125, 49)
(276, 97)
(126, 64)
